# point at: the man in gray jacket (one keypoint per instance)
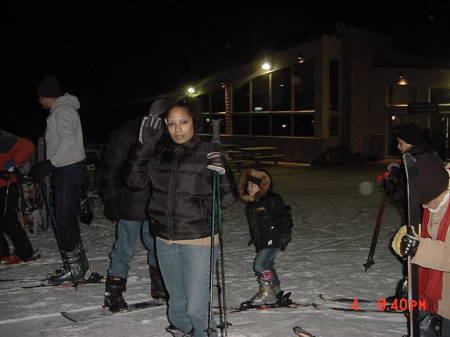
(66, 159)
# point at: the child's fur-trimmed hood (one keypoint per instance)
(264, 186)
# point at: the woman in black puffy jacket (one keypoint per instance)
(174, 161)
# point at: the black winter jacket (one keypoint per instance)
(111, 185)
(269, 218)
(181, 201)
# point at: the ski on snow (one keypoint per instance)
(101, 312)
(93, 279)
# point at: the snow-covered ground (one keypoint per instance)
(335, 211)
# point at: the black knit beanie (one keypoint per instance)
(433, 177)
(411, 133)
(49, 87)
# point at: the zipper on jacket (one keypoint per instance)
(171, 196)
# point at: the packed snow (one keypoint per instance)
(334, 209)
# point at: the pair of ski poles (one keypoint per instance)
(217, 220)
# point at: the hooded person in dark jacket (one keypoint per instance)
(178, 165)
(270, 225)
(127, 208)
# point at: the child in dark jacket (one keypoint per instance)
(270, 224)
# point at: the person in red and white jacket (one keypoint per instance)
(13, 152)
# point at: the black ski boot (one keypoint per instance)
(114, 288)
(178, 333)
(75, 267)
(158, 290)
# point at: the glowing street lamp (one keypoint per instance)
(266, 66)
(191, 91)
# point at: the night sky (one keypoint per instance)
(111, 55)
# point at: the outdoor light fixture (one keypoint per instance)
(300, 58)
(191, 90)
(266, 66)
(222, 84)
(284, 125)
(402, 79)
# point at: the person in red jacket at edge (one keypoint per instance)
(13, 152)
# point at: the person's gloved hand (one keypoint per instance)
(151, 126)
(216, 162)
(42, 169)
(111, 209)
(410, 244)
(400, 248)
(393, 167)
(284, 241)
(10, 165)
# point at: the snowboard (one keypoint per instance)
(414, 217)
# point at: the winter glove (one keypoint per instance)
(399, 248)
(410, 244)
(216, 162)
(151, 126)
(42, 169)
(284, 240)
(111, 209)
(393, 167)
(86, 215)
(10, 165)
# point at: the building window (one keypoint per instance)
(281, 90)
(401, 94)
(260, 87)
(304, 125)
(303, 82)
(204, 102)
(440, 95)
(241, 124)
(241, 98)
(334, 85)
(218, 101)
(261, 125)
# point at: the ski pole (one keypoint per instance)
(376, 233)
(222, 264)
(7, 194)
(211, 258)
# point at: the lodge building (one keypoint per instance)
(346, 88)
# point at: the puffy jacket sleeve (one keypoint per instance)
(434, 254)
(283, 213)
(136, 172)
(228, 190)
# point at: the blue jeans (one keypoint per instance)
(124, 247)
(185, 269)
(265, 260)
(67, 181)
